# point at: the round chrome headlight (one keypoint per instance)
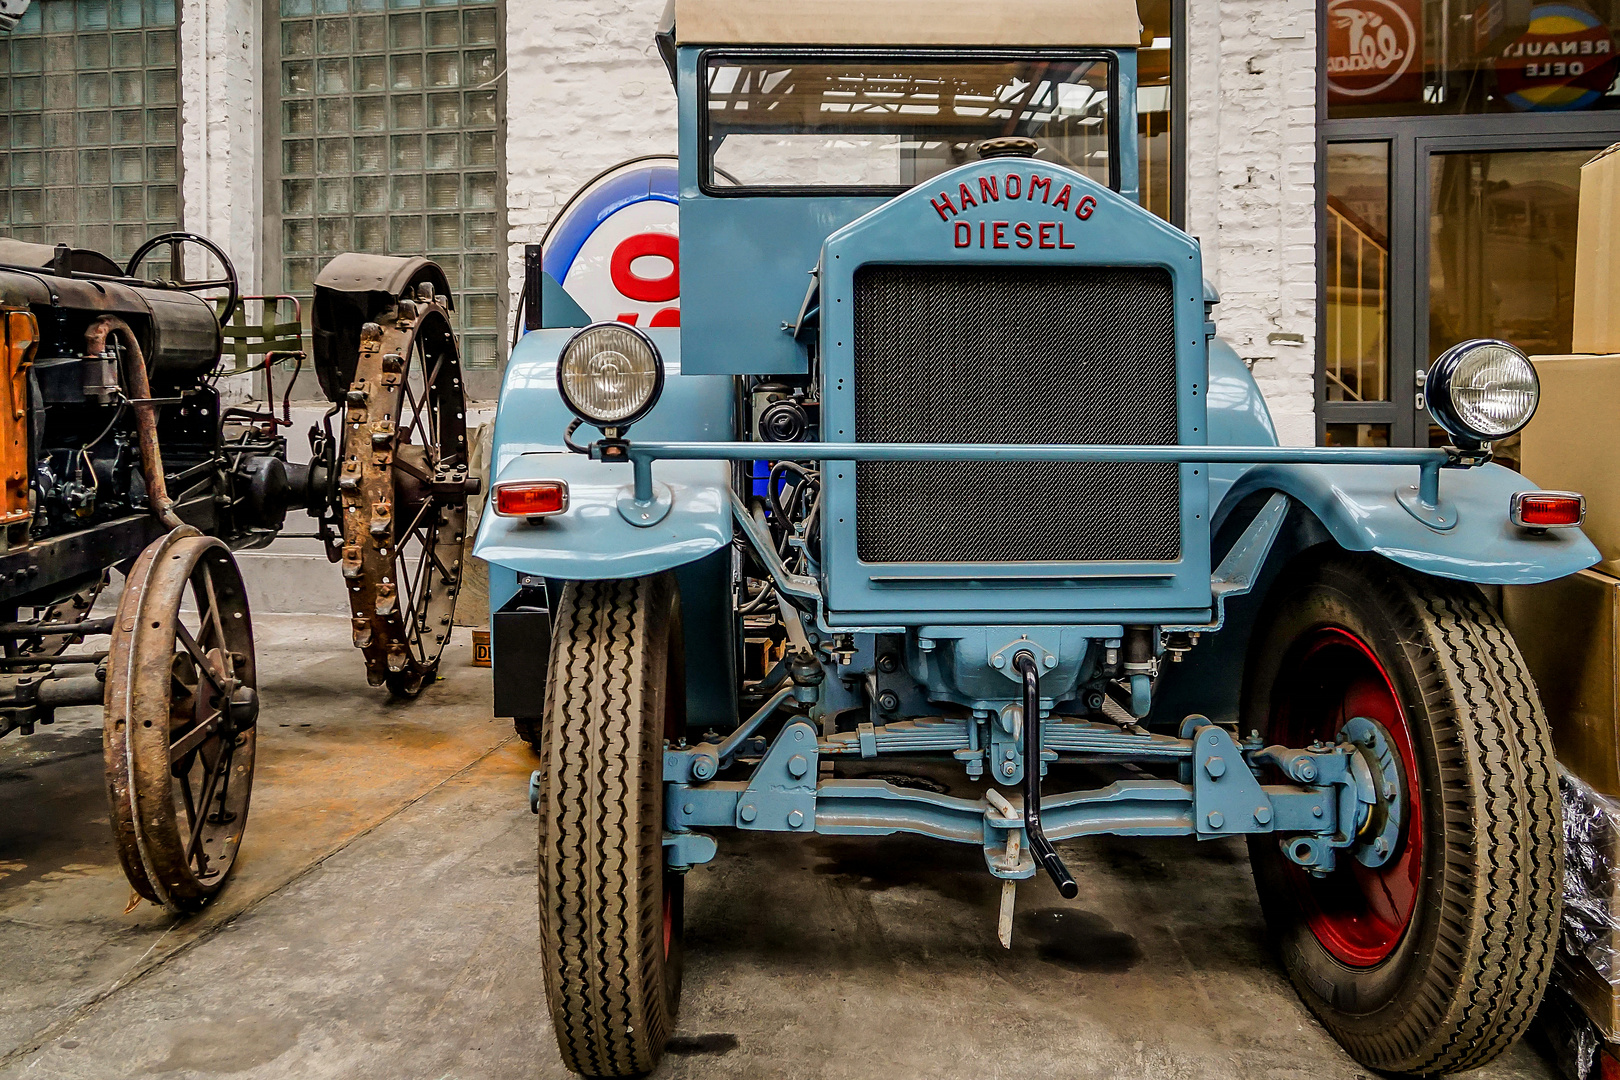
(610, 374)
(1482, 390)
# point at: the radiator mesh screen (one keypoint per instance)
(981, 354)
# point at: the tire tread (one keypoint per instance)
(600, 807)
(1499, 909)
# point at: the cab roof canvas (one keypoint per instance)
(1111, 23)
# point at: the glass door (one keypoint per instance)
(1453, 132)
(1500, 251)
(1435, 231)
(1356, 374)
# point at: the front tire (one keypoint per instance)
(610, 913)
(1435, 961)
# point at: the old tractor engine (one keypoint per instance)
(118, 453)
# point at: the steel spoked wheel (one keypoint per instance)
(1428, 948)
(181, 719)
(610, 911)
(403, 484)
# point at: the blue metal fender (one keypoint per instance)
(1238, 415)
(1357, 505)
(591, 541)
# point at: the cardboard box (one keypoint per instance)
(1567, 630)
(1597, 256)
(1591, 992)
(1574, 442)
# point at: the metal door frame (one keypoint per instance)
(1412, 140)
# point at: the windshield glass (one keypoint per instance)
(886, 124)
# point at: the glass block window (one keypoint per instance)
(89, 139)
(387, 138)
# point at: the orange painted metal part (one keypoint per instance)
(21, 338)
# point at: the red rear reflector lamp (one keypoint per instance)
(1548, 509)
(531, 498)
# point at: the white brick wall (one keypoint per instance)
(1251, 194)
(586, 89)
(219, 128)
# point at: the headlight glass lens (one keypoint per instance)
(1493, 389)
(608, 373)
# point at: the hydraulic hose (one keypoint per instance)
(95, 344)
(1039, 846)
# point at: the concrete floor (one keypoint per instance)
(382, 925)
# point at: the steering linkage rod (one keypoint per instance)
(1025, 664)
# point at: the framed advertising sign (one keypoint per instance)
(1374, 51)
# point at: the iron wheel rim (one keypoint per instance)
(182, 720)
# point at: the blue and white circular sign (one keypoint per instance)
(615, 246)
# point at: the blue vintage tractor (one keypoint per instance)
(946, 470)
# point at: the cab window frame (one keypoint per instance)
(856, 55)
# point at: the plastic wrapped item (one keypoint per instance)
(1591, 878)
(1589, 945)
(1567, 1037)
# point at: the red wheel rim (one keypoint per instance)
(674, 721)
(669, 916)
(1357, 913)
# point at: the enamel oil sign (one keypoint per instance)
(1564, 60)
(614, 247)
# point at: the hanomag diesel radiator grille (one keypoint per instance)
(986, 354)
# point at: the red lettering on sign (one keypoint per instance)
(965, 197)
(670, 316)
(942, 207)
(1014, 186)
(987, 189)
(1042, 184)
(1024, 234)
(1063, 196)
(647, 290)
(1087, 205)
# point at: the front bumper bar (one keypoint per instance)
(1429, 461)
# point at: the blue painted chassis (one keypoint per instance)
(1243, 494)
(1355, 495)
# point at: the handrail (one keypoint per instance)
(1368, 280)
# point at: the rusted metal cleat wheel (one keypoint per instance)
(403, 483)
(181, 719)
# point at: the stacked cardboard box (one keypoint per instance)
(1569, 630)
